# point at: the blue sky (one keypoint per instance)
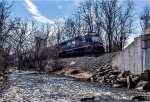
(50, 10)
(46, 11)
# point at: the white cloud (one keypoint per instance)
(36, 13)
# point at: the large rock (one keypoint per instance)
(101, 73)
(112, 77)
(135, 81)
(101, 79)
(1, 78)
(110, 72)
(124, 74)
(116, 72)
(121, 82)
(129, 82)
(143, 85)
(147, 70)
(139, 98)
(119, 76)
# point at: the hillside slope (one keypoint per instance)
(88, 63)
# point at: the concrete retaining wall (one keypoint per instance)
(146, 51)
(136, 57)
(130, 58)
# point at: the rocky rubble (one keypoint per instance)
(91, 69)
(117, 79)
(139, 98)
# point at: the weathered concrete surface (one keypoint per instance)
(130, 58)
(136, 57)
(146, 51)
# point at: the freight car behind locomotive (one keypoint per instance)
(81, 45)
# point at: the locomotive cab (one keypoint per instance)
(96, 46)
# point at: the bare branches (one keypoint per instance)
(110, 19)
(6, 26)
(146, 11)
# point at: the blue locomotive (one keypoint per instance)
(81, 45)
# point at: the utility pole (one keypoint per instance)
(146, 24)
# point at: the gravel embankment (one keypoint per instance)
(89, 63)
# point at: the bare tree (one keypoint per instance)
(87, 14)
(97, 19)
(69, 28)
(111, 19)
(116, 22)
(20, 38)
(58, 30)
(78, 23)
(6, 25)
